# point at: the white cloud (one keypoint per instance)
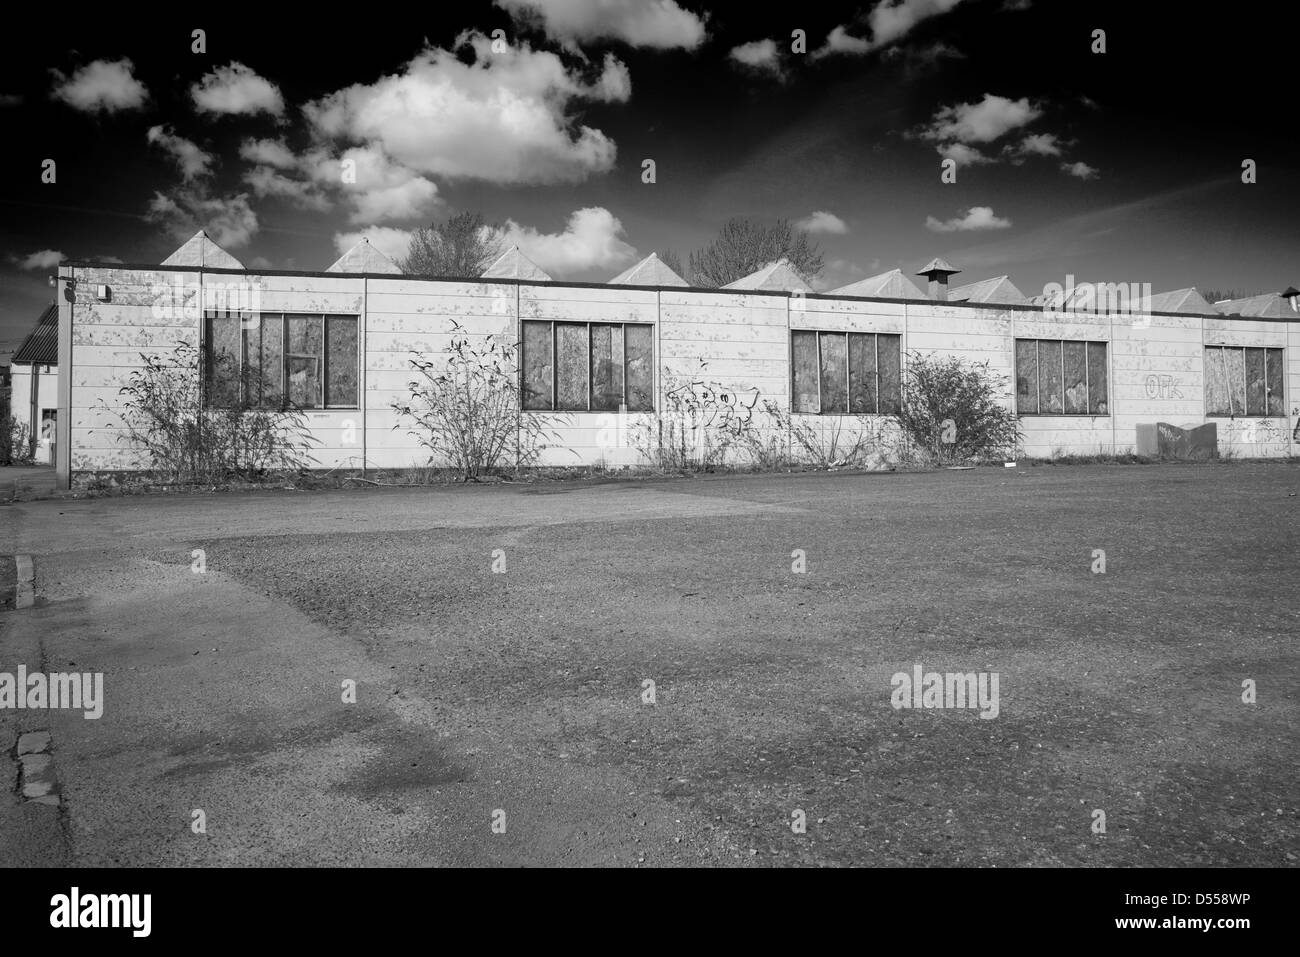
(392, 242)
(982, 122)
(1081, 170)
(839, 41)
(1040, 144)
(384, 190)
(237, 89)
(268, 153)
(505, 118)
(43, 259)
(267, 181)
(229, 220)
(102, 85)
(660, 24)
(978, 217)
(888, 22)
(894, 19)
(822, 222)
(963, 154)
(591, 238)
(758, 55)
(10, 99)
(192, 160)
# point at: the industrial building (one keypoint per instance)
(1083, 371)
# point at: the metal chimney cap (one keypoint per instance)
(937, 267)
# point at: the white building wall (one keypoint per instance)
(733, 341)
(44, 379)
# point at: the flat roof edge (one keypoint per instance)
(820, 296)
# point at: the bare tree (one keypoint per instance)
(461, 246)
(671, 259)
(744, 246)
(1218, 295)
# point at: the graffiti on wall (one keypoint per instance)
(1264, 435)
(1162, 387)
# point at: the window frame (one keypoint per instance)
(245, 321)
(848, 370)
(1038, 377)
(555, 370)
(1222, 350)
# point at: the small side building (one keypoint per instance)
(34, 387)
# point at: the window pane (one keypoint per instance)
(264, 362)
(571, 366)
(221, 361)
(341, 349)
(1216, 382)
(1027, 376)
(1076, 380)
(639, 382)
(538, 370)
(834, 369)
(1049, 377)
(1236, 365)
(1273, 369)
(606, 367)
(889, 353)
(862, 373)
(1098, 403)
(1255, 399)
(304, 360)
(804, 346)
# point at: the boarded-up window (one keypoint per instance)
(274, 360)
(571, 361)
(606, 367)
(341, 355)
(304, 361)
(1235, 360)
(639, 376)
(1218, 397)
(862, 373)
(1060, 377)
(1273, 377)
(1256, 390)
(836, 373)
(1050, 399)
(1243, 381)
(264, 362)
(221, 361)
(580, 367)
(1027, 376)
(1074, 359)
(804, 347)
(539, 377)
(1097, 379)
(889, 353)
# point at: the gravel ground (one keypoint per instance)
(522, 690)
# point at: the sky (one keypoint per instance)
(1114, 156)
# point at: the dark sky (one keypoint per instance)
(1123, 166)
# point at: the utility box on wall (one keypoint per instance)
(1161, 440)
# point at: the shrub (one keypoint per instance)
(837, 441)
(465, 409)
(16, 446)
(701, 421)
(164, 417)
(954, 410)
